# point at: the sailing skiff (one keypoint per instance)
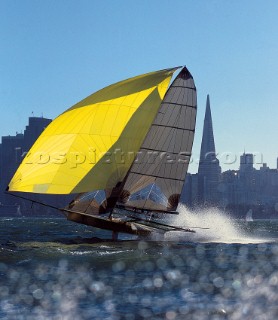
(122, 151)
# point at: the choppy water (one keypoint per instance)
(51, 269)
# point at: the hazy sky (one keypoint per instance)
(54, 53)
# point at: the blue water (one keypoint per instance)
(55, 269)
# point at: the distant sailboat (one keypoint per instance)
(124, 150)
(249, 215)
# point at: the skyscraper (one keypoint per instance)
(209, 170)
(246, 162)
(13, 148)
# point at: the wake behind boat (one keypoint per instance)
(124, 150)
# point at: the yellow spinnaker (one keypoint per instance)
(91, 145)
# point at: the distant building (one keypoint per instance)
(235, 191)
(12, 151)
(246, 162)
(209, 170)
(248, 188)
(201, 189)
(13, 148)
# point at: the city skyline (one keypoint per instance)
(244, 192)
(237, 191)
(225, 158)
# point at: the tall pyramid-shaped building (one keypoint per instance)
(202, 188)
(209, 170)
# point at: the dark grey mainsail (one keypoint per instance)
(156, 178)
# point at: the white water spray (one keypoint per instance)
(211, 225)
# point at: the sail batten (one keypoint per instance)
(156, 176)
(173, 153)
